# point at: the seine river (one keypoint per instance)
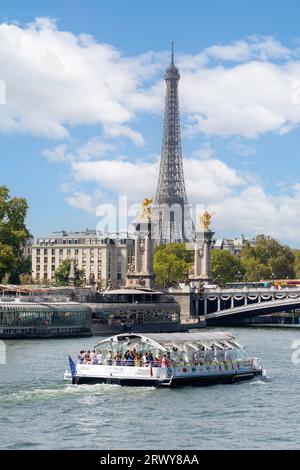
(39, 411)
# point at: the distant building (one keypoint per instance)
(27, 247)
(105, 258)
(233, 245)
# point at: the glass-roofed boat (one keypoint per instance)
(165, 359)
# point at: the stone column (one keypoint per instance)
(141, 275)
(202, 258)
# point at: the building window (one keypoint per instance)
(53, 259)
(46, 260)
(38, 251)
(38, 267)
(53, 251)
(53, 267)
(38, 259)
(45, 251)
(61, 251)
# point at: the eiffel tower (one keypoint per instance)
(171, 211)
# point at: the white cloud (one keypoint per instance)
(81, 200)
(117, 130)
(256, 47)
(56, 80)
(133, 179)
(240, 204)
(93, 148)
(246, 100)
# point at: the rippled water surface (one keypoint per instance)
(40, 411)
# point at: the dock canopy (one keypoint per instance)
(167, 341)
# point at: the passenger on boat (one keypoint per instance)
(94, 357)
(149, 359)
(87, 357)
(118, 359)
(130, 359)
(109, 358)
(137, 360)
(99, 358)
(81, 357)
(144, 358)
(165, 361)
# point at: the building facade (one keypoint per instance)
(233, 245)
(106, 259)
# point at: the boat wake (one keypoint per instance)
(60, 391)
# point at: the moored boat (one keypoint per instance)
(165, 359)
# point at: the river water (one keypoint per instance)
(40, 411)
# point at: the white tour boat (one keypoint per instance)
(165, 359)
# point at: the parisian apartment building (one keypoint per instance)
(106, 258)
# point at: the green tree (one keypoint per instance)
(226, 267)
(297, 263)
(63, 271)
(171, 264)
(13, 235)
(25, 279)
(267, 259)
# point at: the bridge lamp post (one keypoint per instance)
(246, 277)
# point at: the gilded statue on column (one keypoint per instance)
(145, 213)
(205, 220)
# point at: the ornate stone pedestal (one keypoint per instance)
(140, 273)
(202, 258)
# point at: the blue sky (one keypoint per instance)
(82, 123)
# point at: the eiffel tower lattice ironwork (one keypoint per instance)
(171, 205)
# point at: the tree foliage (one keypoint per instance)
(13, 236)
(268, 259)
(63, 271)
(297, 263)
(226, 267)
(171, 264)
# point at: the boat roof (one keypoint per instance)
(159, 340)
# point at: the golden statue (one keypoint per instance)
(146, 210)
(205, 220)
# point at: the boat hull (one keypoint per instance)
(175, 382)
